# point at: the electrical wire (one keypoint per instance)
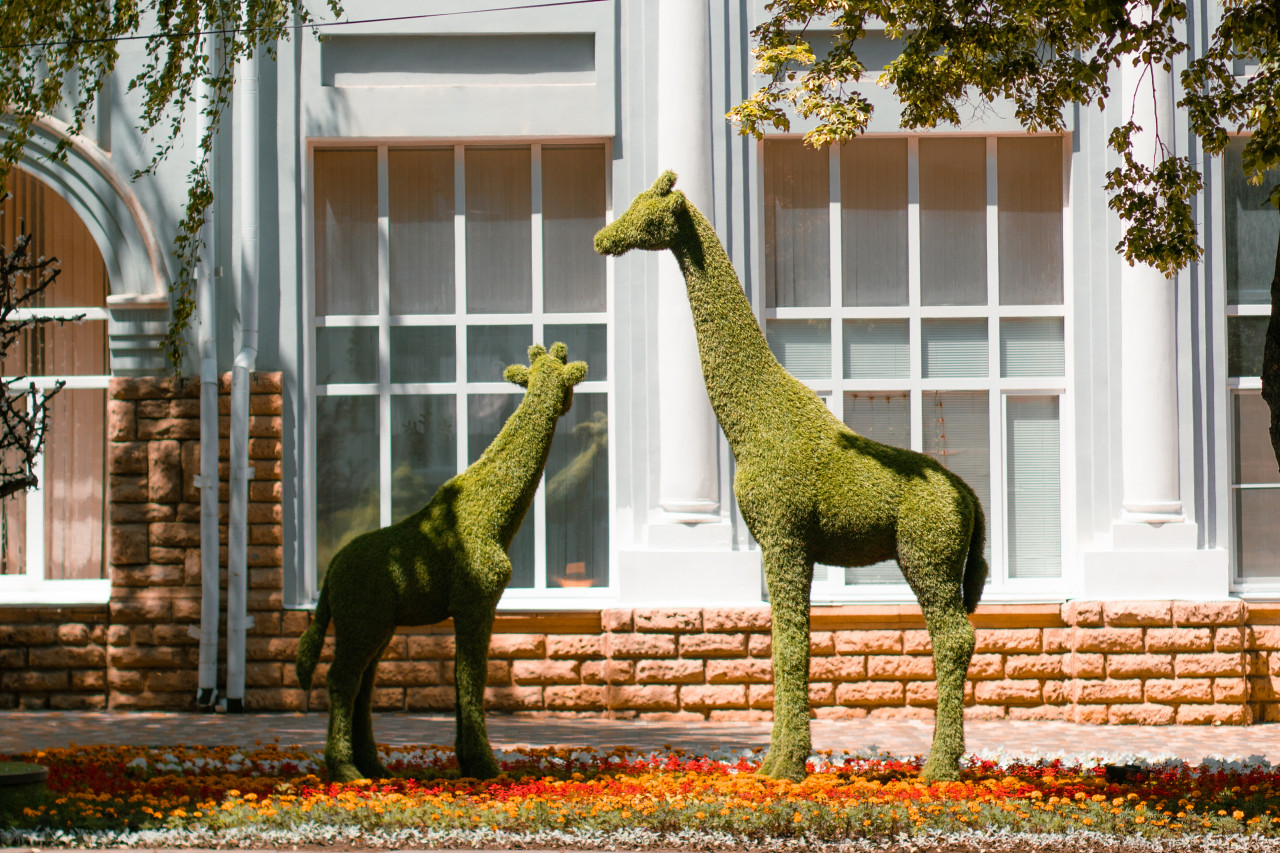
(309, 26)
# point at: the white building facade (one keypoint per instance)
(409, 202)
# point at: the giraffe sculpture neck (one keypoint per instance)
(739, 369)
(512, 464)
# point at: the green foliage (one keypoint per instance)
(448, 559)
(60, 53)
(1043, 56)
(812, 490)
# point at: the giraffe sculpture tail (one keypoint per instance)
(975, 567)
(310, 643)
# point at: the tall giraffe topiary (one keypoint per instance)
(447, 559)
(811, 490)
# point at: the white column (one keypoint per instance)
(1154, 552)
(1148, 348)
(689, 480)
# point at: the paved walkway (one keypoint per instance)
(27, 730)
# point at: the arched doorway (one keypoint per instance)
(52, 538)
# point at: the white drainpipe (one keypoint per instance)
(207, 481)
(247, 188)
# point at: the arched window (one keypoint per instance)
(52, 538)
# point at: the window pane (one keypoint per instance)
(586, 342)
(74, 479)
(953, 348)
(486, 415)
(876, 349)
(1029, 174)
(873, 221)
(1251, 229)
(346, 354)
(796, 225)
(1257, 534)
(56, 231)
(346, 232)
(421, 216)
(13, 534)
(491, 348)
(957, 433)
(347, 501)
(953, 221)
(1254, 458)
(424, 449)
(572, 212)
(577, 489)
(882, 417)
(886, 418)
(802, 346)
(60, 349)
(1246, 337)
(499, 230)
(423, 354)
(1034, 490)
(1032, 347)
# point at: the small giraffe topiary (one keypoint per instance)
(811, 490)
(447, 559)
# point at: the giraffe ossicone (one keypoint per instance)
(811, 490)
(448, 559)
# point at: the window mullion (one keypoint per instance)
(537, 303)
(836, 403)
(460, 298)
(36, 570)
(384, 338)
(913, 291)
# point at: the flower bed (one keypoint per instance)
(274, 795)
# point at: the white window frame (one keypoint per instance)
(1000, 588)
(540, 596)
(34, 586)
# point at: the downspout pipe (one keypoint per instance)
(247, 189)
(207, 480)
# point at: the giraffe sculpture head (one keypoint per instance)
(549, 371)
(653, 221)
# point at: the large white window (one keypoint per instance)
(52, 538)
(435, 267)
(917, 284)
(1251, 229)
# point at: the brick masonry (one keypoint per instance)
(1152, 662)
(137, 651)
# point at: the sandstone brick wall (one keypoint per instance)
(1090, 662)
(1094, 662)
(137, 651)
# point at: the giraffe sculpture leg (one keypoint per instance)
(364, 749)
(789, 575)
(952, 636)
(352, 664)
(471, 671)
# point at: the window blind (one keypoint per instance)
(957, 433)
(873, 221)
(1032, 347)
(421, 216)
(802, 346)
(953, 221)
(1251, 228)
(876, 349)
(797, 233)
(1245, 339)
(1034, 489)
(1029, 182)
(954, 348)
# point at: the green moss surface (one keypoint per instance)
(811, 490)
(448, 559)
